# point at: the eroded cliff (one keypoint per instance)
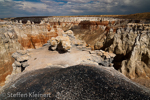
(64, 68)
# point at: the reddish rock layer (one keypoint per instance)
(37, 41)
(27, 42)
(5, 69)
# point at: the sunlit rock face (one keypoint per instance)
(131, 44)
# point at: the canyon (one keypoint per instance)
(128, 39)
(65, 68)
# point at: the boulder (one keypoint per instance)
(60, 43)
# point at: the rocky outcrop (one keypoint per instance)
(105, 58)
(75, 82)
(21, 62)
(18, 36)
(95, 33)
(8, 45)
(119, 37)
(34, 36)
(61, 51)
(132, 48)
(60, 43)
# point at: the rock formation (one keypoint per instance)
(59, 51)
(85, 82)
(16, 36)
(132, 46)
(60, 43)
(127, 38)
(129, 41)
(75, 58)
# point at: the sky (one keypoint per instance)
(24, 8)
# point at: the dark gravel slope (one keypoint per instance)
(75, 83)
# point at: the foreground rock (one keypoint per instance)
(81, 82)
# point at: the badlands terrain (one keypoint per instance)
(82, 57)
